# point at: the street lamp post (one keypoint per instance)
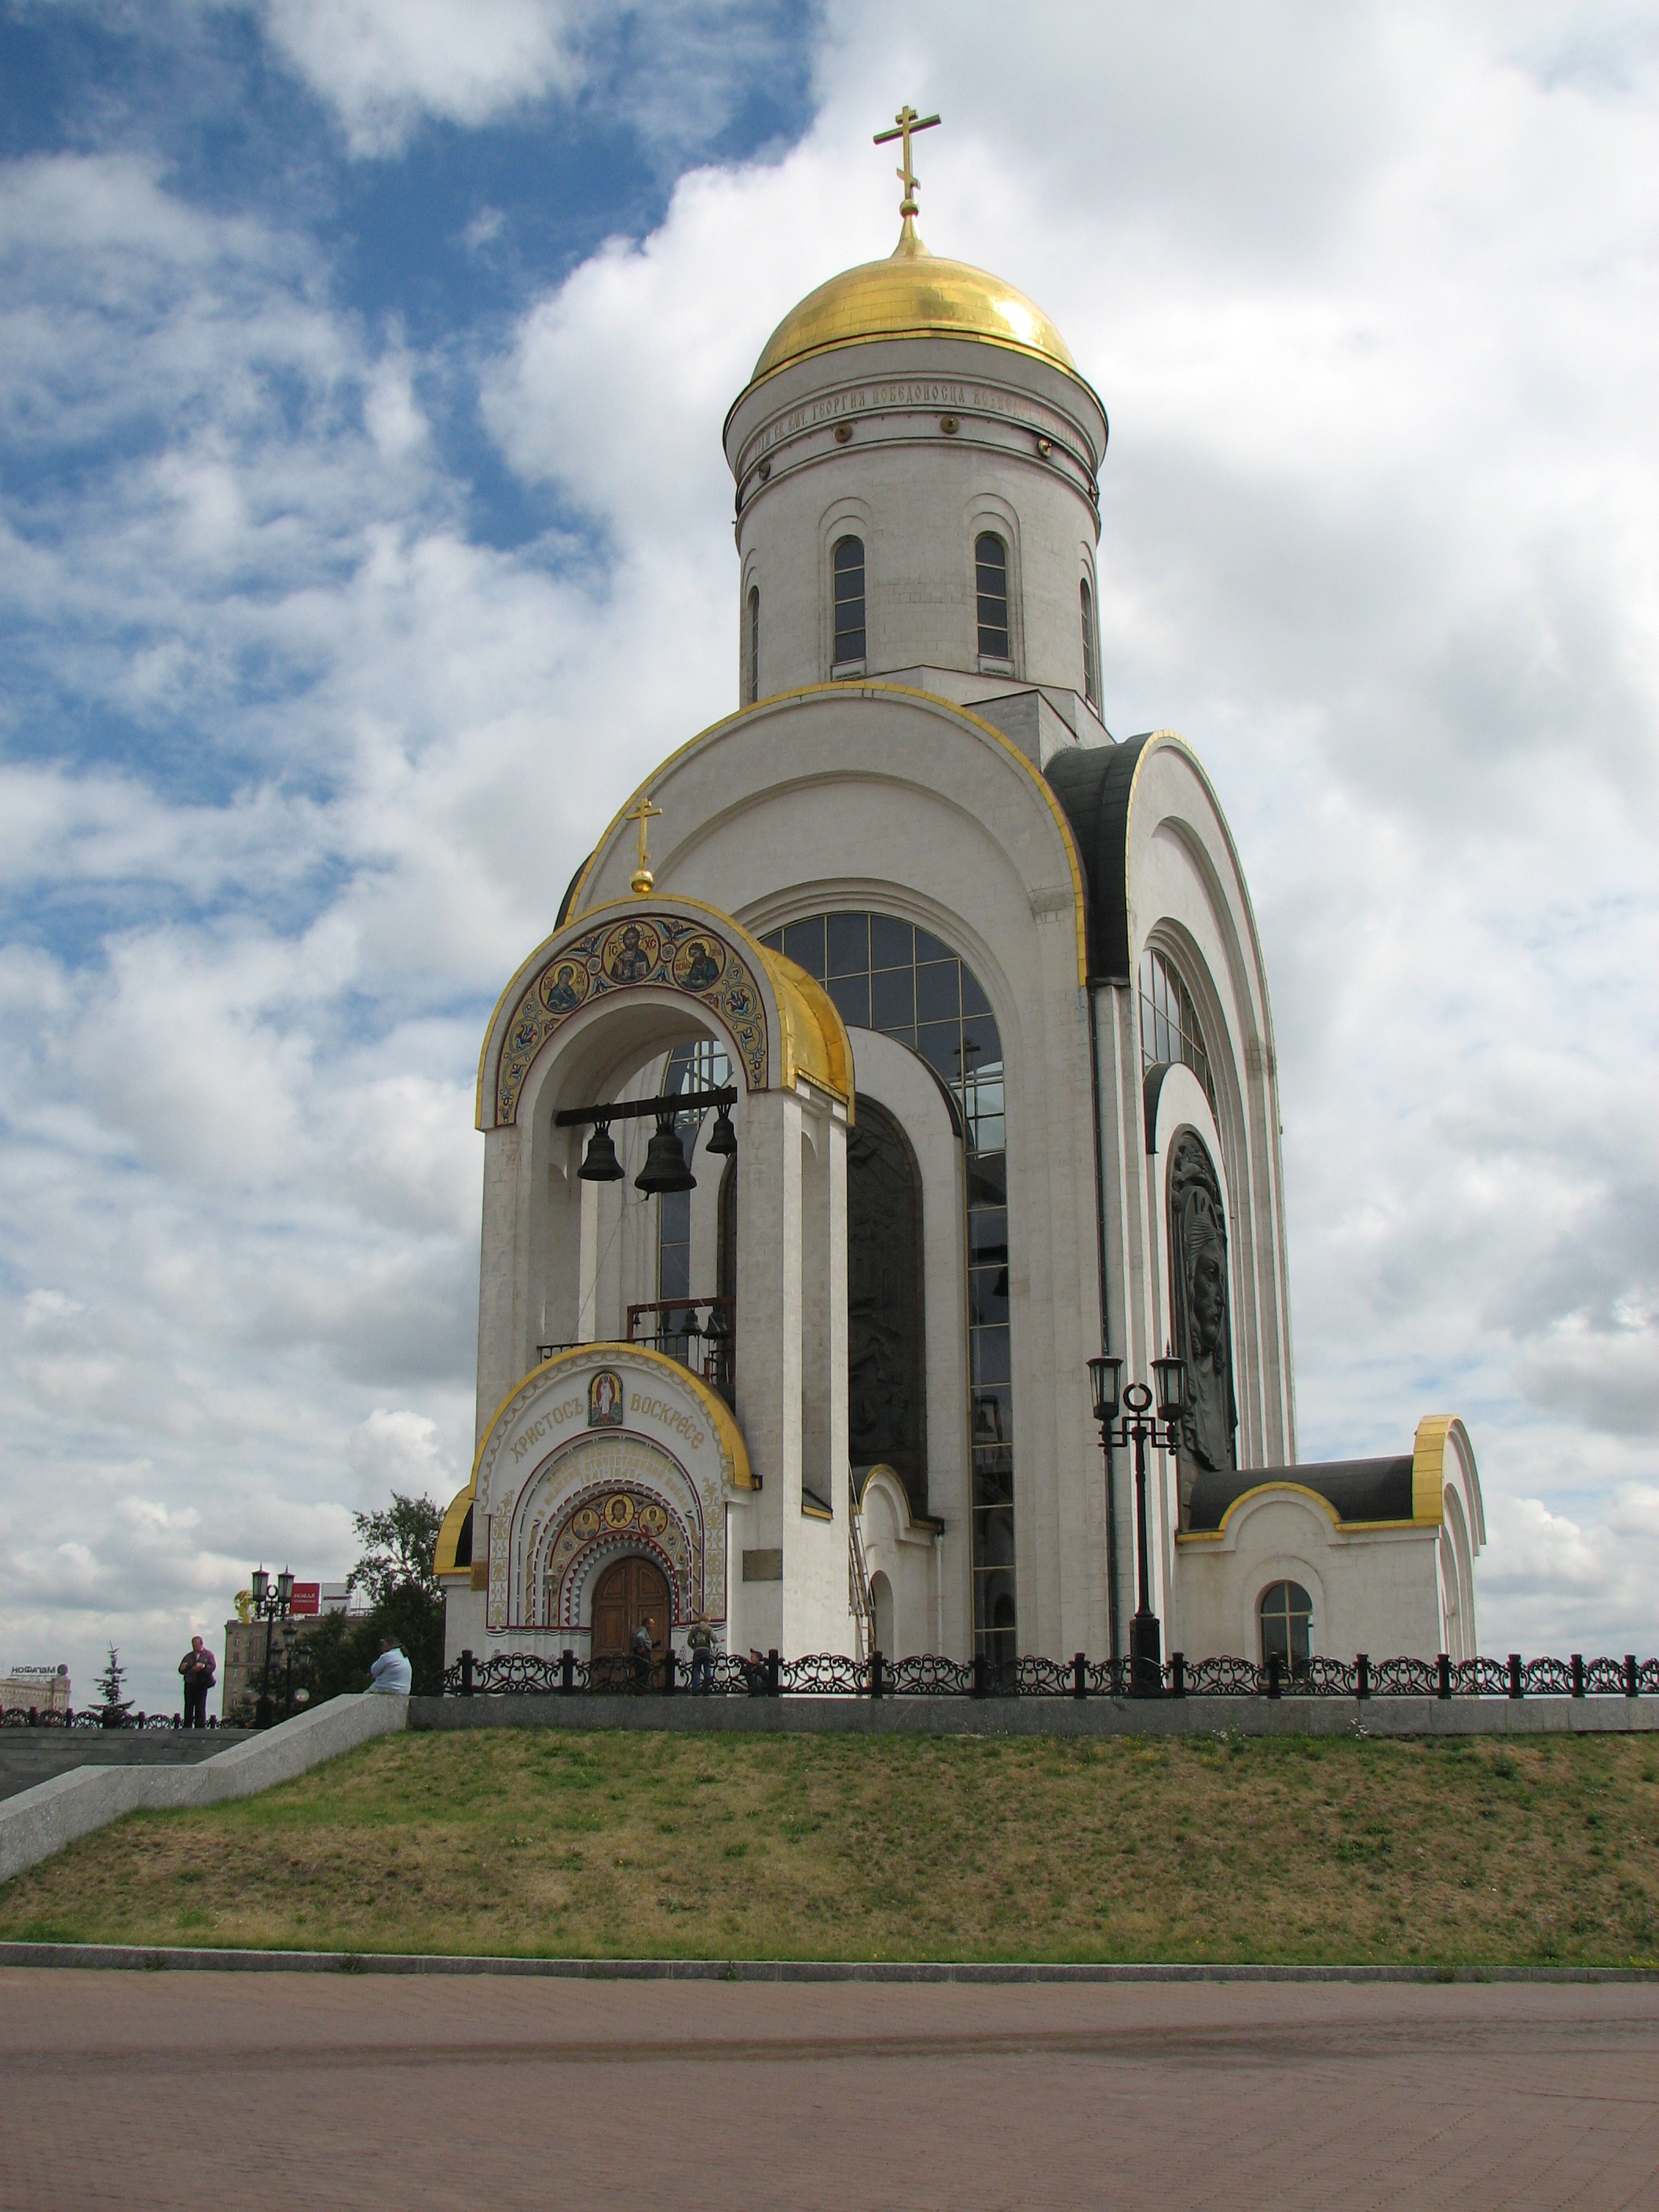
(271, 1601)
(1162, 1433)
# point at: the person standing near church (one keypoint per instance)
(700, 1640)
(199, 1667)
(643, 1649)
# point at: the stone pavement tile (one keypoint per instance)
(178, 2090)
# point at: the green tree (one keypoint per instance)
(396, 1574)
(403, 1544)
(111, 1683)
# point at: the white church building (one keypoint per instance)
(904, 1044)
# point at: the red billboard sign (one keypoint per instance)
(307, 1598)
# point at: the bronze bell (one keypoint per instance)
(722, 1138)
(665, 1167)
(600, 1164)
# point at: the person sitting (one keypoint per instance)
(391, 1673)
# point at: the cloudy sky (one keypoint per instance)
(365, 535)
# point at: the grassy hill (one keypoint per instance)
(623, 1845)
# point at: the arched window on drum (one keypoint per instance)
(1287, 1616)
(1091, 646)
(847, 651)
(991, 591)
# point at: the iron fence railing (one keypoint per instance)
(832, 1674)
(95, 1717)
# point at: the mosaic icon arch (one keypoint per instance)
(598, 1497)
(635, 952)
(603, 1523)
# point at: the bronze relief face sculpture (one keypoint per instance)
(1203, 1335)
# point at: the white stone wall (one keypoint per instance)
(1373, 1590)
(854, 797)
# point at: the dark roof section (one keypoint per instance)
(464, 1542)
(1360, 1489)
(1091, 783)
(569, 900)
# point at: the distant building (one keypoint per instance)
(242, 1671)
(35, 1689)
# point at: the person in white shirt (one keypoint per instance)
(390, 1672)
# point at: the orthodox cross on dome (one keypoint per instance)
(642, 880)
(909, 123)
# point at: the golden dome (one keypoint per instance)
(913, 294)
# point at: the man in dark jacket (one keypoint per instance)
(197, 1666)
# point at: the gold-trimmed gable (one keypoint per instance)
(449, 1535)
(629, 945)
(733, 1449)
(1429, 1469)
(814, 1042)
(838, 693)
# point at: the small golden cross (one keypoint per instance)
(643, 880)
(909, 123)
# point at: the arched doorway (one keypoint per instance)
(630, 1593)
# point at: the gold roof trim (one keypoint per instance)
(869, 688)
(815, 1042)
(1429, 1469)
(720, 1413)
(449, 1535)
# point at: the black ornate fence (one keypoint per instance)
(95, 1717)
(829, 1674)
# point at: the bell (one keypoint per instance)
(722, 1138)
(600, 1164)
(665, 1167)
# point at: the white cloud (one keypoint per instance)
(384, 65)
(400, 1451)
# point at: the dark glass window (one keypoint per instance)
(1168, 1022)
(991, 576)
(1287, 1627)
(754, 643)
(887, 974)
(1091, 647)
(848, 561)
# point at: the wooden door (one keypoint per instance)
(630, 1592)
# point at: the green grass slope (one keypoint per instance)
(621, 1844)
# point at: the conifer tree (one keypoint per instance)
(111, 1683)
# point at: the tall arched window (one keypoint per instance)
(887, 974)
(1168, 1022)
(754, 643)
(848, 563)
(1091, 647)
(991, 578)
(1286, 1612)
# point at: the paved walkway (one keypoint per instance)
(180, 2090)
